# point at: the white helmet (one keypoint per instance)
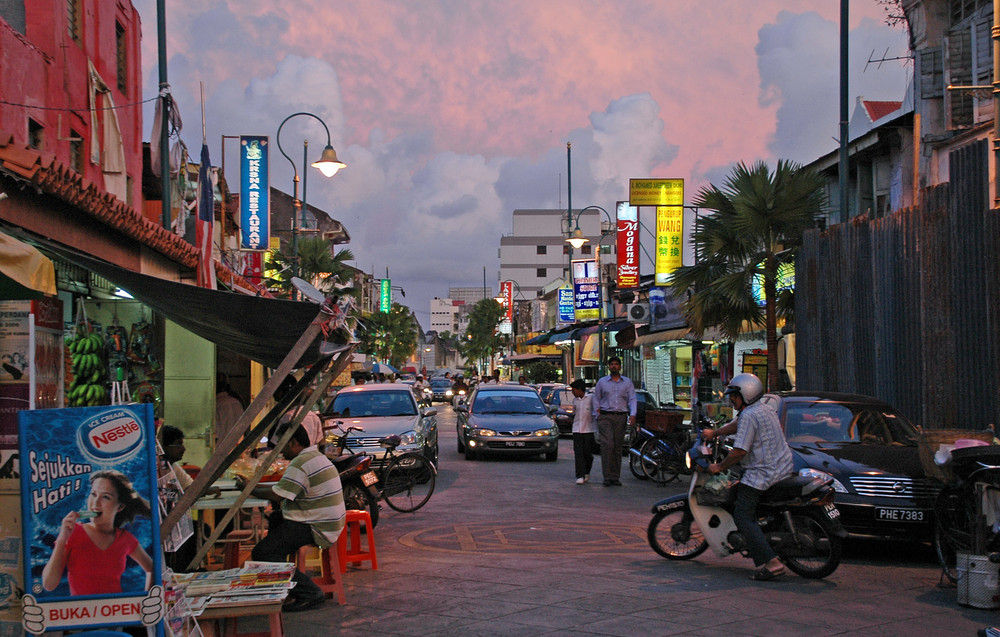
(747, 386)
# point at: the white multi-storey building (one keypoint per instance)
(535, 253)
(444, 315)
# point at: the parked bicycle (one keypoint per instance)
(405, 481)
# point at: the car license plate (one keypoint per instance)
(831, 511)
(515, 443)
(900, 515)
(369, 478)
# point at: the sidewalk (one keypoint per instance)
(514, 547)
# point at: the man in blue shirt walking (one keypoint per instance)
(613, 410)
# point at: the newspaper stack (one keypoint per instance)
(254, 583)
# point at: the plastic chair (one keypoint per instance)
(349, 543)
(330, 580)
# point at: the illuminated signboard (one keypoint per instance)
(586, 290)
(385, 297)
(628, 245)
(507, 293)
(255, 202)
(656, 192)
(669, 241)
(566, 304)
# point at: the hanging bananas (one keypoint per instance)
(89, 370)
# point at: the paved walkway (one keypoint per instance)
(514, 547)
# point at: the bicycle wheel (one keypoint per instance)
(408, 482)
(954, 519)
(660, 462)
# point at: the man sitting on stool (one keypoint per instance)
(311, 512)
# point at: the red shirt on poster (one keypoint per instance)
(93, 571)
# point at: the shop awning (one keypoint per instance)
(679, 334)
(25, 273)
(528, 358)
(261, 329)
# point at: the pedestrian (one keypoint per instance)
(172, 443)
(311, 512)
(228, 408)
(614, 410)
(521, 380)
(761, 449)
(584, 430)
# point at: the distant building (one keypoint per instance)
(536, 252)
(444, 315)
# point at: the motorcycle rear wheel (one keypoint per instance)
(674, 534)
(359, 498)
(814, 526)
(635, 466)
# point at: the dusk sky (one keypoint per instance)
(450, 114)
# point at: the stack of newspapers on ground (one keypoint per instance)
(255, 583)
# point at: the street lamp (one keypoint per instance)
(328, 164)
(576, 239)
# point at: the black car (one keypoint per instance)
(441, 389)
(872, 454)
(562, 399)
(506, 419)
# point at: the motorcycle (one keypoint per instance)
(358, 481)
(459, 398)
(797, 515)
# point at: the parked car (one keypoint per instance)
(441, 389)
(545, 390)
(383, 410)
(509, 419)
(562, 399)
(870, 451)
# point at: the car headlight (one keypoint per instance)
(483, 432)
(408, 438)
(822, 475)
(448, 393)
(551, 431)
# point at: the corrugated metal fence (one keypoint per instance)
(906, 307)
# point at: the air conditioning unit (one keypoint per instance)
(637, 312)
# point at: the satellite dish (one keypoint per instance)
(308, 290)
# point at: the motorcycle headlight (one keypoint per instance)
(822, 475)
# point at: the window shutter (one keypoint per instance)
(931, 73)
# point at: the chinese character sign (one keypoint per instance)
(89, 507)
(255, 193)
(507, 293)
(586, 289)
(669, 236)
(628, 245)
(385, 297)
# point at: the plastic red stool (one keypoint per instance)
(330, 580)
(349, 542)
(231, 555)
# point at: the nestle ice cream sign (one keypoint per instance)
(117, 434)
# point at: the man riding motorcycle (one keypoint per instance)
(761, 449)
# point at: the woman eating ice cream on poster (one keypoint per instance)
(92, 547)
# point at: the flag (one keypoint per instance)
(206, 222)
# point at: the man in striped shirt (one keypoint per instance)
(312, 512)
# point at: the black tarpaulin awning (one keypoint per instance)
(262, 329)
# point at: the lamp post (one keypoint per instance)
(576, 239)
(328, 164)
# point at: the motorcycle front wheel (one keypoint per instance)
(358, 497)
(635, 465)
(815, 551)
(674, 534)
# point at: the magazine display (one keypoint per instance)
(254, 583)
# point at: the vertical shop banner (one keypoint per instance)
(566, 314)
(669, 242)
(255, 193)
(89, 510)
(507, 293)
(628, 245)
(586, 290)
(385, 296)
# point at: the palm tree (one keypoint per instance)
(754, 229)
(481, 338)
(317, 264)
(390, 336)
